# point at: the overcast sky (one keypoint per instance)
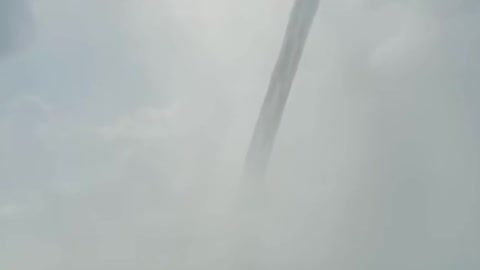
(124, 125)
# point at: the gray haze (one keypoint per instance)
(15, 25)
(124, 126)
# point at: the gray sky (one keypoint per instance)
(124, 124)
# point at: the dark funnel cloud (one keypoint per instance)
(301, 18)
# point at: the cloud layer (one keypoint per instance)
(124, 124)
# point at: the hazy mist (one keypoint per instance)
(124, 126)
